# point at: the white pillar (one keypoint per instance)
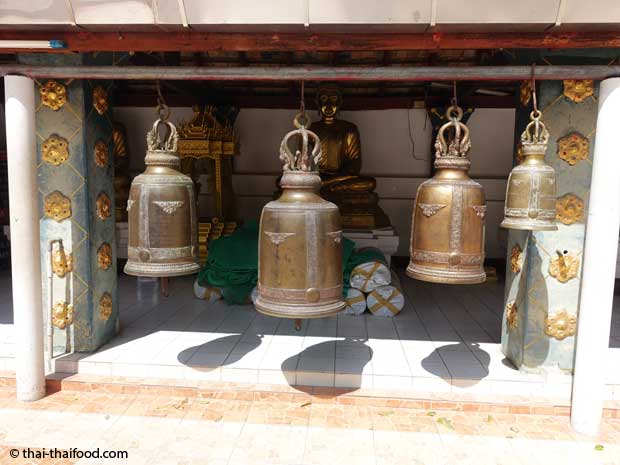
(599, 265)
(25, 251)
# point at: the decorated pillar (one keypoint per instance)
(25, 266)
(599, 266)
(76, 197)
(543, 276)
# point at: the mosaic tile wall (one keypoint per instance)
(76, 194)
(544, 267)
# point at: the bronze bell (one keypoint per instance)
(162, 212)
(447, 236)
(300, 240)
(530, 192)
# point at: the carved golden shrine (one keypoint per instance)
(204, 137)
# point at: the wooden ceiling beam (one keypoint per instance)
(192, 41)
(292, 102)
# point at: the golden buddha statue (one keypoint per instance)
(341, 165)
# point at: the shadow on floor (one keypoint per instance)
(314, 365)
(213, 354)
(458, 358)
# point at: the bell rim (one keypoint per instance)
(528, 226)
(478, 278)
(326, 309)
(157, 271)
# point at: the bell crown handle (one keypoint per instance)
(169, 144)
(535, 132)
(460, 143)
(301, 160)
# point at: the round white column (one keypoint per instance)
(599, 265)
(25, 249)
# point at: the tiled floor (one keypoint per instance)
(445, 340)
(165, 430)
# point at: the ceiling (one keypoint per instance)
(313, 15)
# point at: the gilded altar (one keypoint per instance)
(206, 146)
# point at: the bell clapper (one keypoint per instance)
(163, 286)
(297, 324)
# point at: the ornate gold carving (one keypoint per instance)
(512, 314)
(564, 267)
(525, 92)
(53, 95)
(104, 256)
(569, 209)
(105, 306)
(573, 148)
(515, 258)
(480, 210)
(561, 325)
(278, 238)
(100, 99)
(101, 154)
(57, 206)
(429, 209)
(169, 206)
(62, 315)
(578, 90)
(336, 236)
(62, 263)
(55, 150)
(104, 206)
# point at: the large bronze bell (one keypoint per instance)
(161, 212)
(531, 189)
(447, 236)
(300, 240)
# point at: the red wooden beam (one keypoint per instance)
(191, 41)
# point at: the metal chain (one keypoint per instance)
(533, 86)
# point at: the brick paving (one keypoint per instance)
(266, 428)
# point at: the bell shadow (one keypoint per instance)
(319, 365)
(466, 362)
(219, 352)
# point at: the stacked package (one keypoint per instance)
(373, 286)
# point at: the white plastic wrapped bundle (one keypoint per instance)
(209, 293)
(370, 275)
(386, 300)
(356, 302)
(254, 295)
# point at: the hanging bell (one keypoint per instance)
(530, 192)
(161, 212)
(300, 240)
(447, 236)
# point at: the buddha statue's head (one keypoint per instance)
(328, 102)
